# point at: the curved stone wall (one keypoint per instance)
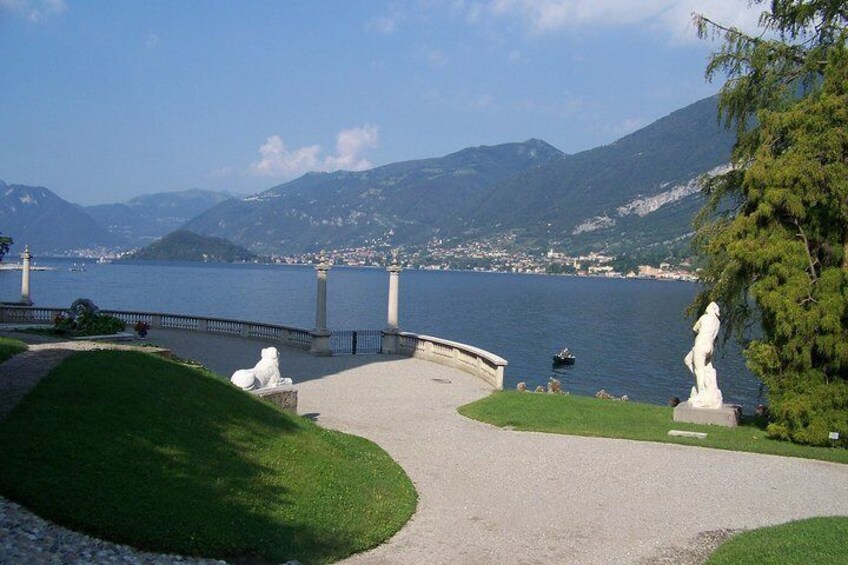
(478, 362)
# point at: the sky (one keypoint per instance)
(101, 101)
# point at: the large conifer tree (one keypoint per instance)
(775, 229)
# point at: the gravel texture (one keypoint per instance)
(26, 538)
(492, 495)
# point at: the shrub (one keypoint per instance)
(84, 318)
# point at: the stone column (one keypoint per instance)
(321, 335)
(390, 334)
(26, 256)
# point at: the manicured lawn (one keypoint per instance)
(139, 450)
(813, 541)
(584, 416)
(10, 347)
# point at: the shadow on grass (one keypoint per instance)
(138, 450)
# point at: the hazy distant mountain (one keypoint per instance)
(184, 245)
(35, 216)
(150, 216)
(633, 193)
(408, 202)
(637, 193)
(637, 190)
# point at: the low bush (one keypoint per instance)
(84, 318)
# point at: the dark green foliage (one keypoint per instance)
(560, 269)
(83, 318)
(5, 242)
(101, 324)
(184, 245)
(135, 449)
(778, 255)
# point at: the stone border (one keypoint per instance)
(478, 362)
(484, 365)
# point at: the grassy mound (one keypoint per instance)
(10, 347)
(139, 450)
(584, 416)
(816, 540)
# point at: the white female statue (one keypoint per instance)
(705, 393)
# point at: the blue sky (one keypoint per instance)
(105, 100)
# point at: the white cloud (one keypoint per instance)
(35, 11)
(437, 58)
(670, 17)
(349, 144)
(388, 22)
(277, 160)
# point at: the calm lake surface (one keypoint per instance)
(629, 336)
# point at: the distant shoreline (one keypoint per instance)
(17, 266)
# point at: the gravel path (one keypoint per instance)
(491, 495)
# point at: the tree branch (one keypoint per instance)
(812, 262)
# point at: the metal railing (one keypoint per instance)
(356, 342)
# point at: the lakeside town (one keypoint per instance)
(478, 256)
(552, 263)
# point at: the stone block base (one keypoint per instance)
(728, 415)
(283, 396)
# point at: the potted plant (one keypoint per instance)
(141, 328)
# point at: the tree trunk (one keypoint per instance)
(845, 254)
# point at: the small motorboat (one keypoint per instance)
(564, 357)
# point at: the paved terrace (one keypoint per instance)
(489, 495)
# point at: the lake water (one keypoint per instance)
(629, 336)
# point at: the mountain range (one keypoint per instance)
(35, 216)
(148, 217)
(637, 193)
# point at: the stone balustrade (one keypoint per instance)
(478, 362)
(484, 365)
(288, 336)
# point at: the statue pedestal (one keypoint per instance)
(284, 396)
(320, 343)
(728, 415)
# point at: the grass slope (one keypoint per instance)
(139, 450)
(10, 347)
(584, 416)
(805, 542)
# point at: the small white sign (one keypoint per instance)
(833, 435)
